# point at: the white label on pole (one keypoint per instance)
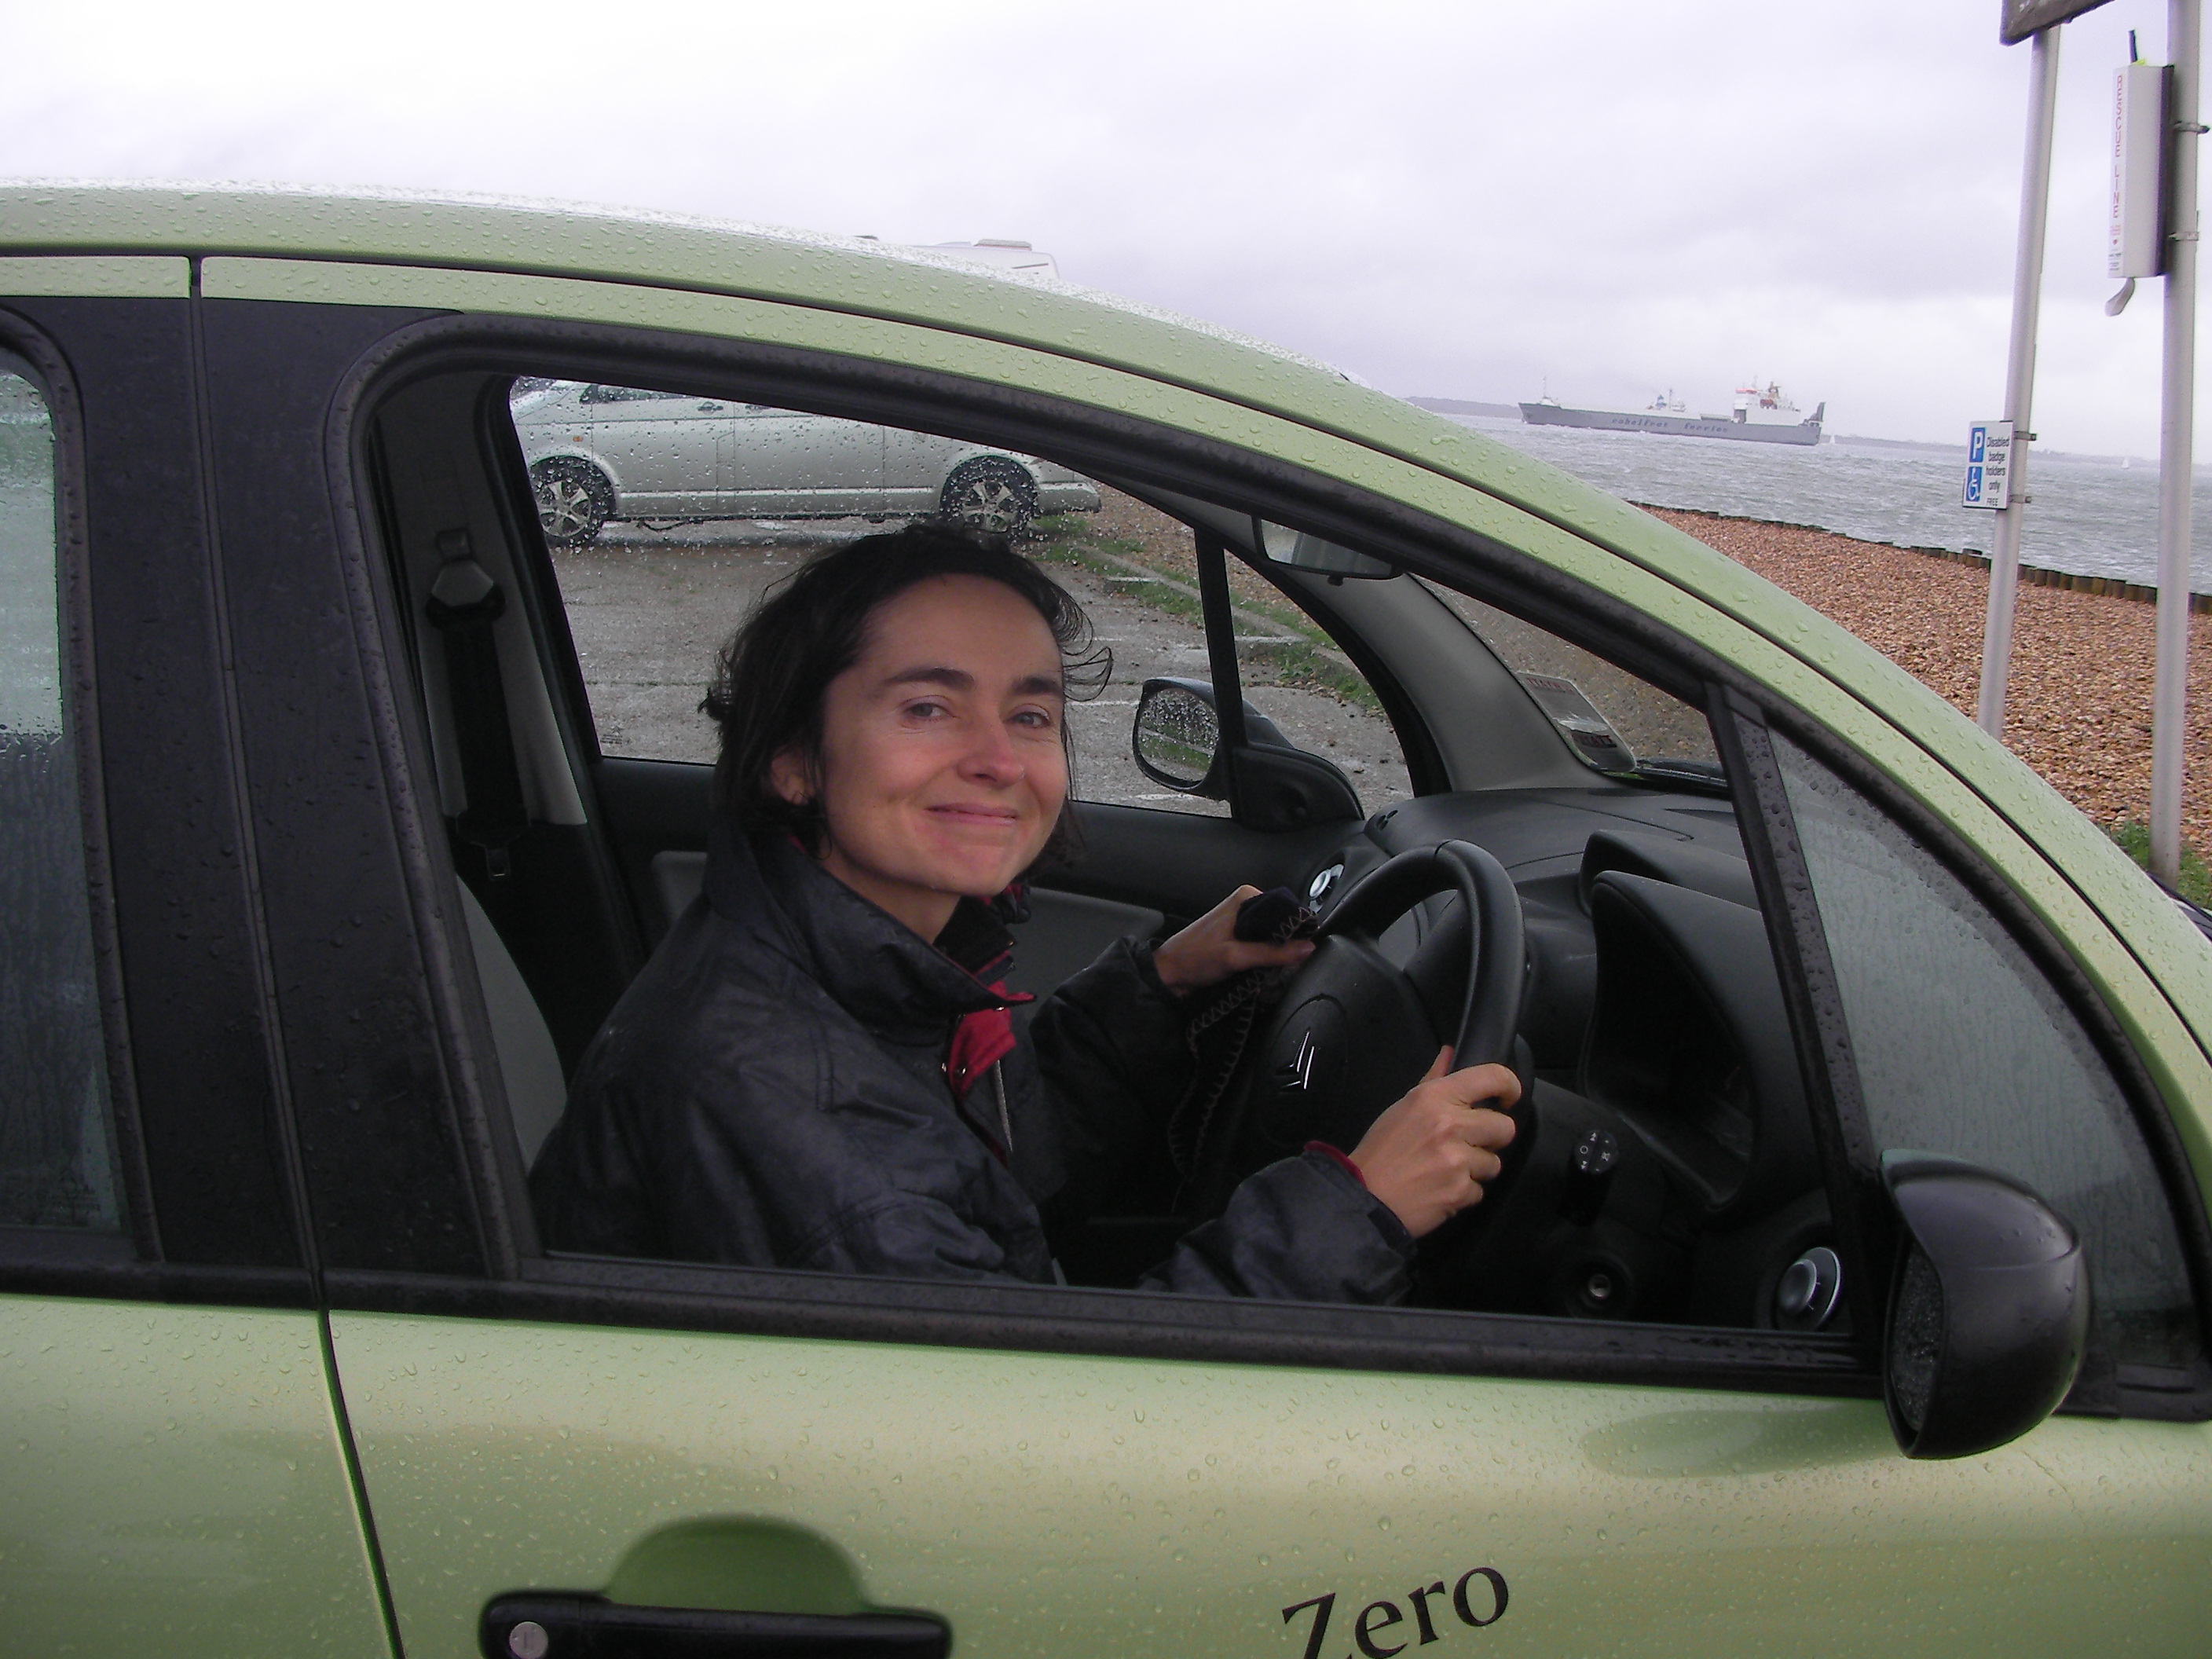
(1989, 466)
(2133, 247)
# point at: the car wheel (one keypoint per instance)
(991, 494)
(575, 500)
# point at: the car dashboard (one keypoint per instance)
(1667, 1170)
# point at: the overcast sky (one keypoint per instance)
(1467, 199)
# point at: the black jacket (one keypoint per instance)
(771, 1092)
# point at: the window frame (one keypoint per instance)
(120, 378)
(1042, 1319)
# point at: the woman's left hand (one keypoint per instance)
(1208, 951)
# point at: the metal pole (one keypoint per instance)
(2177, 441)
(2020, 377)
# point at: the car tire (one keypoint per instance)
(575, 500)
(992, 493)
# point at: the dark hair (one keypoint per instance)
(771, 677)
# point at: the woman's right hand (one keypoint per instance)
(1428, 1156)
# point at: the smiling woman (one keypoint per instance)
(887, 662)
(940, 767)
(818, 1068)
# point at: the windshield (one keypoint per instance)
(1614, 721)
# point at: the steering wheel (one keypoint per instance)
(1353, 1033)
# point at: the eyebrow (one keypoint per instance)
(959, 680)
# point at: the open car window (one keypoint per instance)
(1651, 1020)
(670, 515)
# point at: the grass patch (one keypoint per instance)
(1301, 665)
(2195, 882)
(1310, 663)
(1158, 595)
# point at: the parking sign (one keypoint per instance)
(1989, 466)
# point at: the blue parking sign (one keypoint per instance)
(1989, 466)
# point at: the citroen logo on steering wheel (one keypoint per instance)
(1296, 1074)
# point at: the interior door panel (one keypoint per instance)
(1184, 864)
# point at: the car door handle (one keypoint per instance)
(552, 1624)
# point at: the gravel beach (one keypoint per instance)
(2077, 703)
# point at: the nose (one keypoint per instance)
(994, 759)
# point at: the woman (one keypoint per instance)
(812, 1071)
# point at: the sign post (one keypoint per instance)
(2176, 442)
(2020, 371)
(2037, 21)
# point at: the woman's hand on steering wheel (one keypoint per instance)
(1428, 1155)
(1208, 951)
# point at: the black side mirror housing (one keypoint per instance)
(1287, 788)
(1175, 739)
(1989, 1308)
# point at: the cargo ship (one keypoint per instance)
(1760, 415)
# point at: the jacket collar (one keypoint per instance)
(873, 965)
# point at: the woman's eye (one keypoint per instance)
(926, 711)
(1037, 720)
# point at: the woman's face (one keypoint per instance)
(942, 771)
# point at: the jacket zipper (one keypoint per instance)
(1005, 1120)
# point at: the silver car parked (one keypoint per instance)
(603, 452)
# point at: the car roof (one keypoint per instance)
(505, 234)
(920, 285)
(498, 234)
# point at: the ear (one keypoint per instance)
(790, 777)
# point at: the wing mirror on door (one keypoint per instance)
(1176, 737)
(1175, 740)
(1989, 1308)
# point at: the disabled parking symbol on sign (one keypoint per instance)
(1989, 466)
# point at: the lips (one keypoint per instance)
(976, 816)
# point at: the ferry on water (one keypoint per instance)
(1760, 415)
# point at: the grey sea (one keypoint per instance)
(2094, 515)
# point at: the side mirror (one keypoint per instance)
(1989, 1308)
(1176, 737)
(1175, 740)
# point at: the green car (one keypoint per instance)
(1845, 1291)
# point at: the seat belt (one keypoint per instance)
(464, 605)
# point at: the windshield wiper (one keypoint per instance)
(1703, 775)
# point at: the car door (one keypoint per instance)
(668, 451)
(788, 462)
(175, 1475)
(571, 1440)
(915, 466)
